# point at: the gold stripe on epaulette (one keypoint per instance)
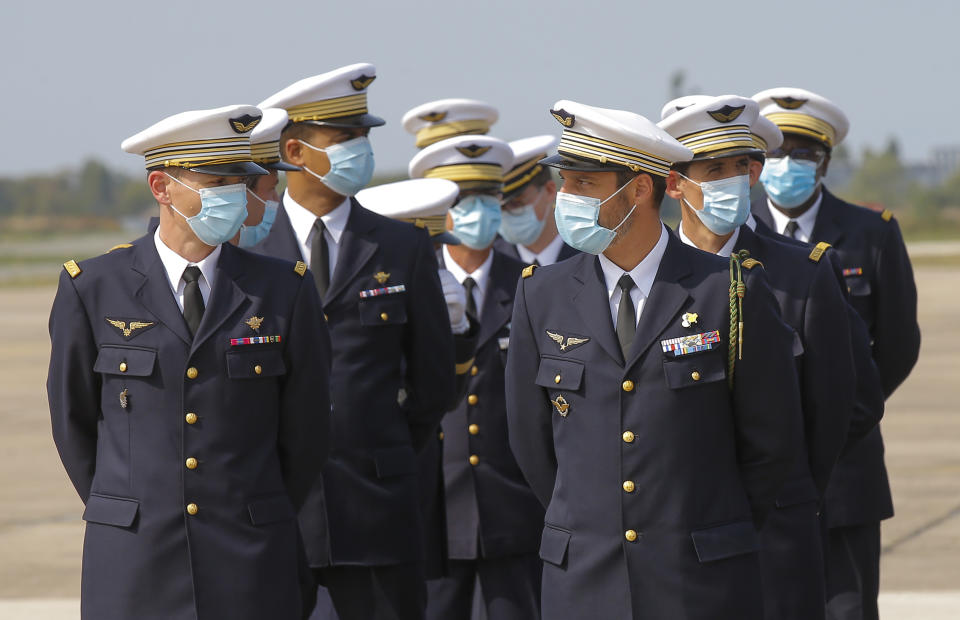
(750, 263)
(465, 367)
(886, 216)
(300, 268)
(72, 268)
(817, 252)
(120, 246)
(528, 271)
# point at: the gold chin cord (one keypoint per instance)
(737, 291)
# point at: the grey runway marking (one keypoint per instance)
(923, 529)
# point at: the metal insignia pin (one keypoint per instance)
(689, 318)
(563, 407)
(254, 322)
(123, 399)
(381, 277)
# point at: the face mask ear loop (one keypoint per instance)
(259, 199)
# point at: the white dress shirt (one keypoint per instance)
(174, 264)
(643, 276)
(547, 255)
(303, 220)
(805, 222)
(724, 251)
(481, 276)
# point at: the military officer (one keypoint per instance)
(438, 120)
(493, 518)
(877, 269)
(714, 193)
(528, 231)
(650, 406)
(188, 391)
(389, 328)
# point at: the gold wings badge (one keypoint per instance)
(563, 407)
(126, 330)
(565, 343)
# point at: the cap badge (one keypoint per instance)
(433, 117)
(789, 103)
(563, 117)
(563, 407)
(128, 330)
(570, 341)
(245, 123)
(362, 82)
(689, 318)
(381, 277)
(254, 322)
(473, 151)
(726, 114)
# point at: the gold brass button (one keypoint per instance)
(123, 367)
(192, 509)
(258, 369)
(695, 375)
(191, 418)
(473, 429)
(628, 436)
(192, 373)
(474, 371)
(630, 535)
(440, 435)
(628, 486)
(474, 460)
(384, 316)
(192, 463)
(557, 379)
(627, 386)
(473, 399)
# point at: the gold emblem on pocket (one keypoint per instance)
(381, 277)
(254, 322)
(123, 398)
(563, 407)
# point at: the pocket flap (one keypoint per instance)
(243, 364)
(725, 541)
(135, 361)
(858, 285)
(118, 511)
(395, 461)
(559, 374)
(384, 310)
(696, 369)
(270, 510)
(553, 545)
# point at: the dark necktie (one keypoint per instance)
(537, 262)
(791, 229)
(469, 284)
(320, 258)
(192, 299)
(626, 315)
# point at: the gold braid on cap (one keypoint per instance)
(213, 152)
(441, 131)
(522, 174)
(435, 224)
(804, 125)
(351, 105)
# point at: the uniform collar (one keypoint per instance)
(547, 256)
(481, 275)
(724, 251)
(302, 219)
(805, 222)
(174, 264)
(643, 274)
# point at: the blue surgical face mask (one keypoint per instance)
(222, 211)
(578, 225)
(789, 182)
(252, 235)
(476, 219)
(726, 203)
(351, 165)
(521, 226)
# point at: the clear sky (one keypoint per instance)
(79, 77)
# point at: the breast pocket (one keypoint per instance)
(695, 369)
(255, 363)
(560, 374)
(859, 286)
(383, 310)
(125, 361)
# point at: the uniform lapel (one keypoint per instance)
(761, 212)
(154, 292)
(497, 302)
(589, 297)
(566, 252)
(281, 242)
(827, 228)
(356, 250)
(226, 297)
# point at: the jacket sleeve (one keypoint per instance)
(304, 437)
(829, 376)
(896, 337)
(529, 414)
(73, 388)
(766, 397)
(430, 372)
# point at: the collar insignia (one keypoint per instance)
(563, 407)
(245, 123)
(689, 318)
(569, 342)
(362, 82)
(726, 114)
(381, 277)
(434, 117)
(473, 151)
(129, 330)
(563, 117)
(789, 103)
(254, 322)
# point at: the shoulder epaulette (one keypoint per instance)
(120, 247)
(817, 252)
(886, 216)
(300, 268)
(528, 271)
(72, 268)
(750, 263)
